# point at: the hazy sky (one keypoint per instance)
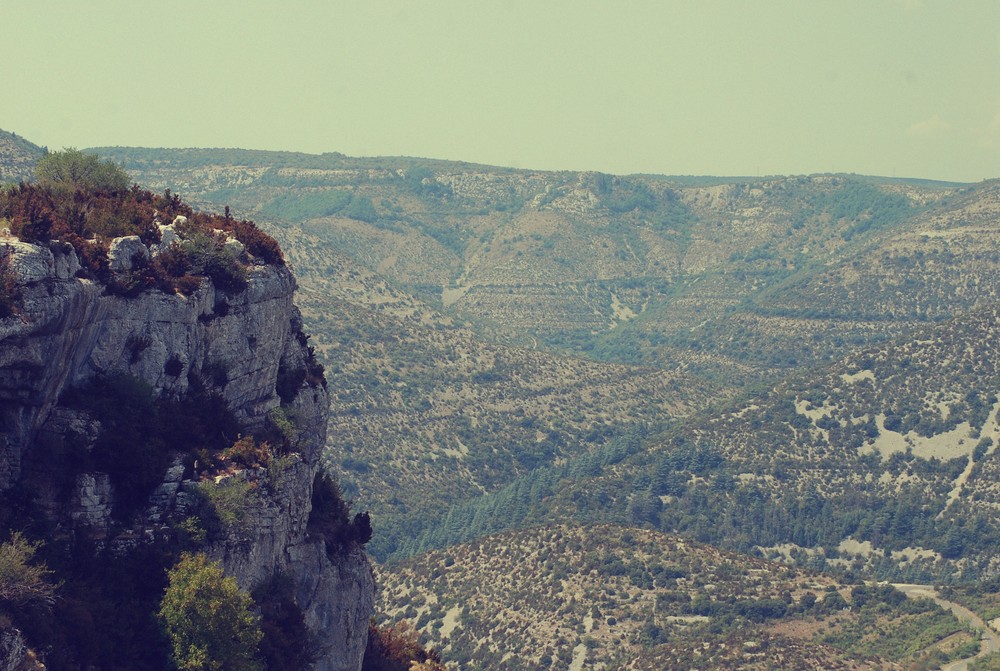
(905, 87)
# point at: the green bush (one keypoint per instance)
(227, 503)
(209, 620)
(208, 255)
(74, 169)
(22, 579)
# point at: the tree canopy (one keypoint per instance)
(71, 167)
(209, 620)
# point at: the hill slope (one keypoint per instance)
(892, 449)
(425, 415)
(733, 283)
(668, 271)
(604, 597)
(17, 157)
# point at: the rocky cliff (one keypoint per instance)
(244, 347)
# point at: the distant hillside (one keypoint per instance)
(604, 597)
(678, 272)
(420, 276)
(801, 369)
(17, 157)
(885, 463)
(424, 415)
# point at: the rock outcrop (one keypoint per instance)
(69, 330)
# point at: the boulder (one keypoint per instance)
(124, 251)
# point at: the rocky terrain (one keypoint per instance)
(68, 348)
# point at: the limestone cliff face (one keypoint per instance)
(70, 329)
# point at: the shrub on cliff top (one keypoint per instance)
(207, 255)
(73, 169)
(85, 202)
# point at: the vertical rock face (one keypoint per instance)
(70, 330)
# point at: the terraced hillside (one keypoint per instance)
(934, 266)
(425, 415)
(885, 463)
(605, 597)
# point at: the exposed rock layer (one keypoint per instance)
(69, 330)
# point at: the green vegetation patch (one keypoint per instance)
(298, 207)
(889, 625)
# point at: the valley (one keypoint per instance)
(661, 420)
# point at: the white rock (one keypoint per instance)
(123, 250)
(168, 237)
(29, 263)
(234, 247)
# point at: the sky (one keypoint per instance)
(907, 88)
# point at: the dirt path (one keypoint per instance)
(990, 641)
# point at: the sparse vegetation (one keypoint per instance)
(23, 580)
(604, 592)
(864, 309)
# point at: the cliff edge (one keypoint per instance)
(77, 351)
